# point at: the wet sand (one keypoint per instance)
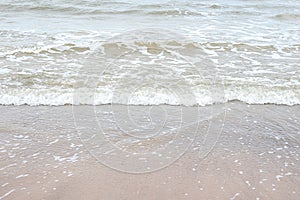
(247, 152)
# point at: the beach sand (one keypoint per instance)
(247, 152)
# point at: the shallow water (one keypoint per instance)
(254, 155)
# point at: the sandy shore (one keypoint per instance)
(249, 152)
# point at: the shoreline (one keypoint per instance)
(141, 105)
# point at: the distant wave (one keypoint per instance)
(287, 16)
(90, 10)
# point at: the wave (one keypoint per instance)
(35, 43)
(148, 96)
(69, 47)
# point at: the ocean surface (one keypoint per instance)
(94, 52)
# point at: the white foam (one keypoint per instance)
(6, 194)
(149, 96)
